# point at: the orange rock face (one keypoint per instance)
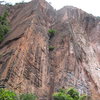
(27, 64)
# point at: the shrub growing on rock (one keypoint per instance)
(51, 48)
(51, 33)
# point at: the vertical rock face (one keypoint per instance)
(27, 65)
(76, 55)
(24, 52)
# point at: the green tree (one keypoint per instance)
(7, 95)
(4, 25)
(70, 94)
(73, 93)
(62, 96)
(28, 96)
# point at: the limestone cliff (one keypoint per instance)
(27, 65)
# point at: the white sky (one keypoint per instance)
(90, 6)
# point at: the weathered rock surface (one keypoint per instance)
(27, 65)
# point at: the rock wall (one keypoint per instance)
(27, 64)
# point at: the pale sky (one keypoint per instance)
(90, 6)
